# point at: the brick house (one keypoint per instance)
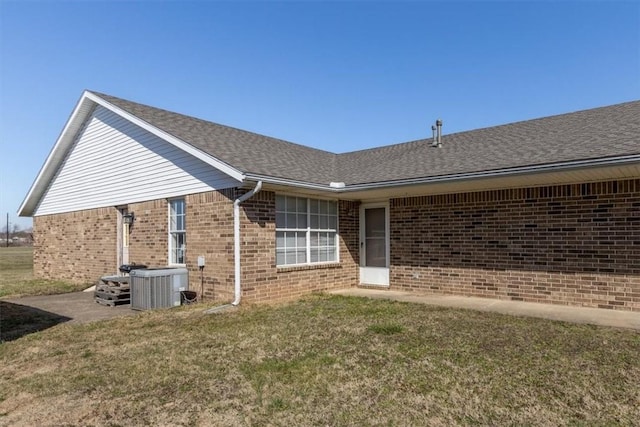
(545, 210)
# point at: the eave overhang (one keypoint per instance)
(585, 170)
(601, 169)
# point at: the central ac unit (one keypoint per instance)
(157, 288)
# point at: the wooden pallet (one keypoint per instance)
(112, 297)
(111, 303)
(113, 290)
(114, 280)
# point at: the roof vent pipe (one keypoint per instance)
(437, 134)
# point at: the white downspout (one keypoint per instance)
(236, 239)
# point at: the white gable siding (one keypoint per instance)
(115, 162)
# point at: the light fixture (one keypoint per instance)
(128, 218)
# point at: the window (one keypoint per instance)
(306, 230)
(177, 231)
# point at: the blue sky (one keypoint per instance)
(339, 76)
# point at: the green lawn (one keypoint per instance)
(16, 275)
(325, 360)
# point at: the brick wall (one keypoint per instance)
(209, 226)
(210, 234)
(77, 246)
(149, 235)
(570, 244)
(82, 246)
(262, 281)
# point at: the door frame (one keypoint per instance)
(124, 241)
(374, 275)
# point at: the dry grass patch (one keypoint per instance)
(326, 360)
(16, 276)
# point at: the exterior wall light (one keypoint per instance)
(128, 218)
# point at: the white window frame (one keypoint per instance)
(172, 260)
(308, 230)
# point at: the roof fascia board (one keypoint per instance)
(537, 169)
(216, 163)
(288, 182)
(56, 155)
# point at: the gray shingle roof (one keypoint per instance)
(246, 151)
(590, 134)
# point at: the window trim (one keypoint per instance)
(171, 232)
(308, 230)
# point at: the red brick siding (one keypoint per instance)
(149, 235)
(570, 244)
(210, 233)
(264, 282)
(209, 223)
(76, 246)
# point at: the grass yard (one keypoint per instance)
(325, 360)
(16, 275)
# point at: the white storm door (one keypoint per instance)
(374, 245)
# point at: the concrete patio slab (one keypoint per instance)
(594, 316)
(78, 307)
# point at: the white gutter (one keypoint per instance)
(236, 250)
(236, 239)
(288, 182)
(535, 169)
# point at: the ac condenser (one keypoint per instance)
(157, 287)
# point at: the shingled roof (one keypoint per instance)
(589, 134)
(246, 151)
(598, 133)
